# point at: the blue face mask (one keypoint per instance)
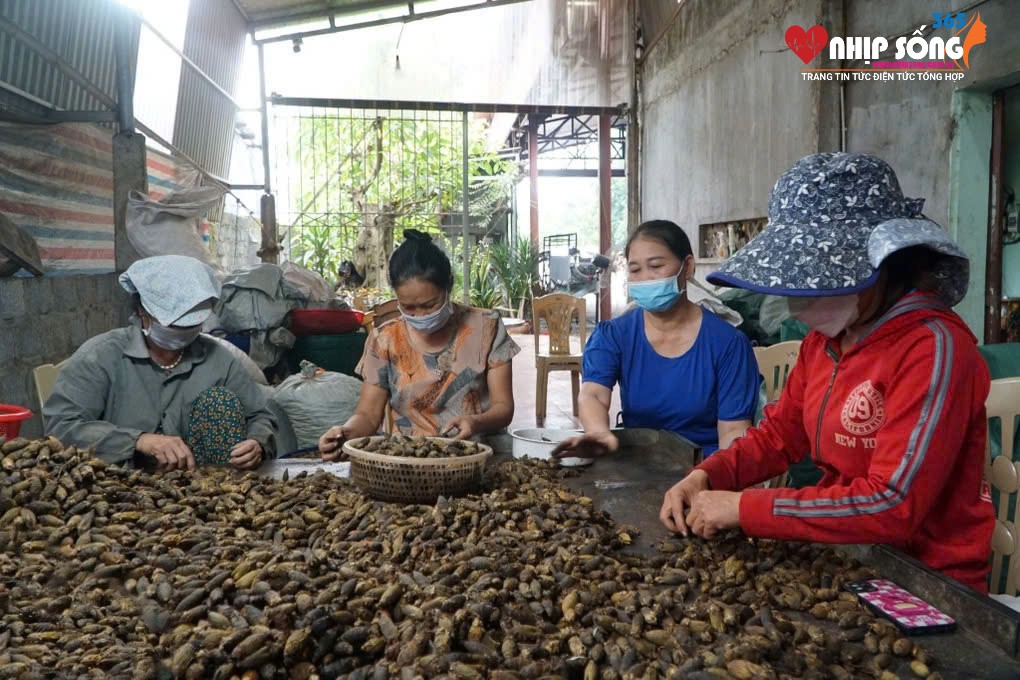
(657, 295)
(430, 323)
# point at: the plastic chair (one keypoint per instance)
(1003, 359)
(774, 365)
(1002, 473)
(558, 310)
(45, 378)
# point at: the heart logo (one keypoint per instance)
(807, 44)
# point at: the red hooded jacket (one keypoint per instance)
(897, 426)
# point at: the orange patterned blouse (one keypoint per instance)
(429, 389)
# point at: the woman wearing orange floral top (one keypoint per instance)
(444, 369)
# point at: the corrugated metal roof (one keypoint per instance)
(215, 41)
(81, 32)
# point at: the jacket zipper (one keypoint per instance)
(825, 402)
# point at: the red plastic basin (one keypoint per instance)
(11, 418)
(325, 321)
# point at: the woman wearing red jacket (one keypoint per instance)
(888, 393)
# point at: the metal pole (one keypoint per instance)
(125, 71)
(270, 250)
(30, 97)
(264, 106)
(185, 157)
(665, 29)
(605, 305)
(633, 167)
(467, 218)
(533, 123)
(993, 263)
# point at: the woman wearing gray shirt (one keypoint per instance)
(158, 389)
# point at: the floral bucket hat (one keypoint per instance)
(833, 219)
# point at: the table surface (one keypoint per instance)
(630, 484)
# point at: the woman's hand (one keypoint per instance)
(465, 425)
(170, 453)
(587, 446)
(331, 443)
(247, 455)
(714, 511)
(681, 497)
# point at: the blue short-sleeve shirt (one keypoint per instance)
(716, 379)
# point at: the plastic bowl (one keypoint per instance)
(11, 418)
(325, 321)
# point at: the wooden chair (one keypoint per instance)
(380, 314)
(1002, 473)
(384, 311)
(558, 310)
(45, 378)
(774, 365)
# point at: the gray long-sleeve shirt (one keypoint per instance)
(110, 393)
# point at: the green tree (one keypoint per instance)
(357, 179)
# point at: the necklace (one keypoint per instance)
(171, 366)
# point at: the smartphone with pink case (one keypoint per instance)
(910, 613)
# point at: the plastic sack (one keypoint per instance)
(713, 303)
(170, 226)
(316, 400)
(749, 305)
(268, 347)
(257, 298)
(313, 288)
(774, 310)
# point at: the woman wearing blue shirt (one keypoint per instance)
(680, 367)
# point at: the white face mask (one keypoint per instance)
(169, 338)
(430, 323)
(830, 316)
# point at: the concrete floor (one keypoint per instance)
(559, 413)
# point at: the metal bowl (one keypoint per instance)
(539, 443)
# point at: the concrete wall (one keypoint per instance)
(1011, 253)
(44, 320)
(912, 125)
(725, 111)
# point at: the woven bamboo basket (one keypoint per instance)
(397, 479)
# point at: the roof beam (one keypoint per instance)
(282, 17)
(398, 105)
(407, 18)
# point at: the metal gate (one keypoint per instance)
(350, 178)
